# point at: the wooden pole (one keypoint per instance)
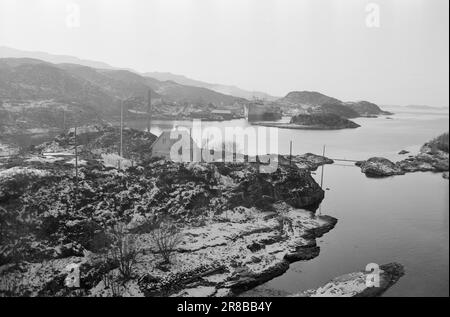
(76, 167)
(323, 165)
(64, 120)
(121, 128)
(290, 154)
(207, 146)
(121, 134)
(149, 110)
(191, 146)
(223, 152)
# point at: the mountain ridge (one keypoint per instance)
(161, 76)
(313, 102)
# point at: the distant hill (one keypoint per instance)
(365, 108)
(319, 103)
(36, 95)
(417, 108)
(7, 52)
(51, 58)
(30, 79)
(34, 79)
(307, 98)
(430, 108)
(224, 89)
(340, 109)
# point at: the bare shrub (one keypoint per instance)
(166, 239)
(10, 286)
(440, 143)
(285, 225)
(123, 250)
(111, 283)
(116, 289)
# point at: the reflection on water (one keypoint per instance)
(403, 219)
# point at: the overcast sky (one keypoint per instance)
(274, 46)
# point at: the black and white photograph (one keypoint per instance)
(223, 154)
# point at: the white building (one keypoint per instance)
(176, 146)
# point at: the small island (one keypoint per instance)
(355, 284)
(317, 121)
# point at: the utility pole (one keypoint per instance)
(149, 110)
(207, 147)
(76, 167)
(64, 119)
(321, 181)
(121, 133)
(290, 153)
(223, 152)
(191, 146)
(323, 165)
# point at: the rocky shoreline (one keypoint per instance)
(325, 121)
(360, 284)
(429, 159)
(218, 259)
(238, 228)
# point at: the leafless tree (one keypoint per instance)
(123, 250)
(166, 239)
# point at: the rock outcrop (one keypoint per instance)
(430, 159)
(238, 228)
(307, 161)
(380, 167)
(360, 284)
(323, 121)
(326, 121)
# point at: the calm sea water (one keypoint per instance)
(384, 136)
(403, 219)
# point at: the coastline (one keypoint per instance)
(299, 127)
(231, 242)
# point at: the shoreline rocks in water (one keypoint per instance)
(323, 121)
(317, 121)
(307, 161)
(432, 158)
(379, 167)
(359, 284)
(238, 228)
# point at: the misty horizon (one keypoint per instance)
(307, 46)
(78, 60)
